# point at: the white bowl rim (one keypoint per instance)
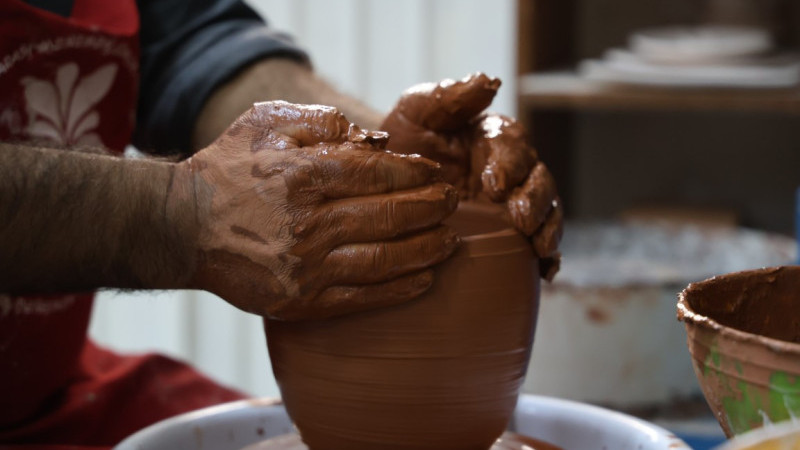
(141, 438)
(601, 415)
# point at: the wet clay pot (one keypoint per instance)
(743, 334)
(439, 372)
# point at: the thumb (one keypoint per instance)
(308, 124)
(448, 105)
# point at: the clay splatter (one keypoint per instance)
(746, 406)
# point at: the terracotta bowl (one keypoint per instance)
(743, 334)
(439, 372)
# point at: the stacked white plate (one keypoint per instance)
(702, 56)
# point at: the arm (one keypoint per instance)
(274, 79)
(75, 221)
(292, 213)
(189, 48)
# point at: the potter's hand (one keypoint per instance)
(484, 155)
(303, 215)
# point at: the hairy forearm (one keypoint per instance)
(74, 221)
(274, 79)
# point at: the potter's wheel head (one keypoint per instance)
(234, 426)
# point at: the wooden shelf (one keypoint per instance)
(567, 90)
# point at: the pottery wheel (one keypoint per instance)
(508, 441)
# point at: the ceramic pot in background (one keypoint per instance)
(439, 372)
(607, 332)
(743, 333)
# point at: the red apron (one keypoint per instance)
(71, 82)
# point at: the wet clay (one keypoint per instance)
(763, 302)
(508, 441)
(486, 156)
(302, 214)
(744, 336)
(439, 372)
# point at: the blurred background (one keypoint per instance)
(671, 127)
(724, 140)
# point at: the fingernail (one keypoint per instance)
(424, 280)
(494, 84)
(434, 168)
(493, 182)
(452, 240)
(451, 196)
(520, 210)
(299, 230)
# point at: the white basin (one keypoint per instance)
(568, 424)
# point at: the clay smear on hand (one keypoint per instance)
(304, 213)
(485, 156)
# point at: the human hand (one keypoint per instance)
(303, 215)
(485, 156)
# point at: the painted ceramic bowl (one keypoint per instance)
(743, 333)
(439, 372)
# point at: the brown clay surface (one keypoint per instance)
(483, 155)
(762, 302)
(508, 441)
(300, 214)
(743, 334)
(440, 372)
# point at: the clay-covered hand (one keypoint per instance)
(304, 215)
(485, 156)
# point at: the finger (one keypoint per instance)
(448, 105)
(509, 157)
(375, 262)
(309, 124)
(339, 300)
(548, 267)
(530, 203)
(548, 236)
(375, 218)
(341, 173)
(412, 138)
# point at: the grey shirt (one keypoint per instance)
(189, 47)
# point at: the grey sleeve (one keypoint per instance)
(188, 48)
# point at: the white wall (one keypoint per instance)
(372, 49)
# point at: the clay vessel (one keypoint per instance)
(439, 372)
(743, 334)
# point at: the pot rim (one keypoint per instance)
(490, 209)
(491, 235)
(503, 240)
(694, 319)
